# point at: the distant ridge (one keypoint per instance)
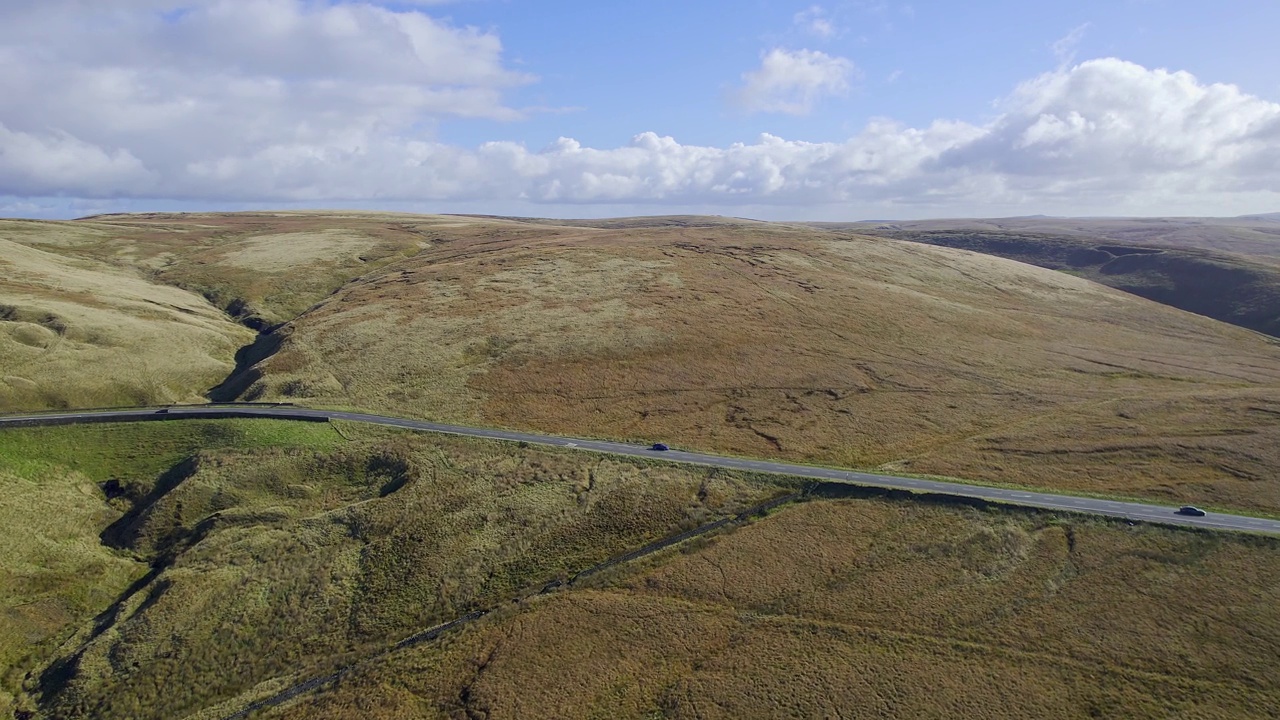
(1224, 268)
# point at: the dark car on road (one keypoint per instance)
(1191, 510)
(659, 446)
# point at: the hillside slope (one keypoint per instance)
(785, 341)
(1231, 287)
(81, 333)
(262, 268)
(262, 550)
(868, 609)
(1256, 236)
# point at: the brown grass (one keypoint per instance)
(873, 609)
(767, 340)
(770, 340)
(271, 562)
(744, 337)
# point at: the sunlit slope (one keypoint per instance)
(779, 341)
(80, 333)
(263, 268)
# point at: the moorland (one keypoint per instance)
(1224, 268)
(188, 569)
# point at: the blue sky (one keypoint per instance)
(835, 110)
(667, 66)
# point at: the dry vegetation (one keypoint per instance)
(737, 336)
(1234, 287)
(773, 340)
(81, 333)
(257, 558)
(150, 302)
(168, 569)
(1257, 236)
(54, 573)
(872, 609)
(264, 268)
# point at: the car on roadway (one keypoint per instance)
(1191, 510)
(659, 446)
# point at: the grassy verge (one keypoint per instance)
(1119, 497)
(144, 449)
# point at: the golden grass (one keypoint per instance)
(872, 609)
(97, 294)
(736, 336)
(79, 333)
(271, 266)
(285, 252)
(751, 338)
(771, 340)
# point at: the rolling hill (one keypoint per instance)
(864, 610)
(82, 333)
(771, 340)
(190, 569)
(1224, 268)
(1256, 236)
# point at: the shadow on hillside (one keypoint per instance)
(246, 372)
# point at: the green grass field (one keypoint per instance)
(55, 572)
(143, 450)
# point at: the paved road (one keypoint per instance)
(1133, 511)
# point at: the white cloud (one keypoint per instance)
(1064, 48)
(283, 101)
(793, 81)
(814, 20)
(57, 162)
(1104, 136)
(164, 84)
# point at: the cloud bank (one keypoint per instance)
(286, 101)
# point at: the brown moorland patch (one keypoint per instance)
(783, 341)
(1257, 236)
(872, 609)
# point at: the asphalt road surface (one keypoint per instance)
(1141, 512)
